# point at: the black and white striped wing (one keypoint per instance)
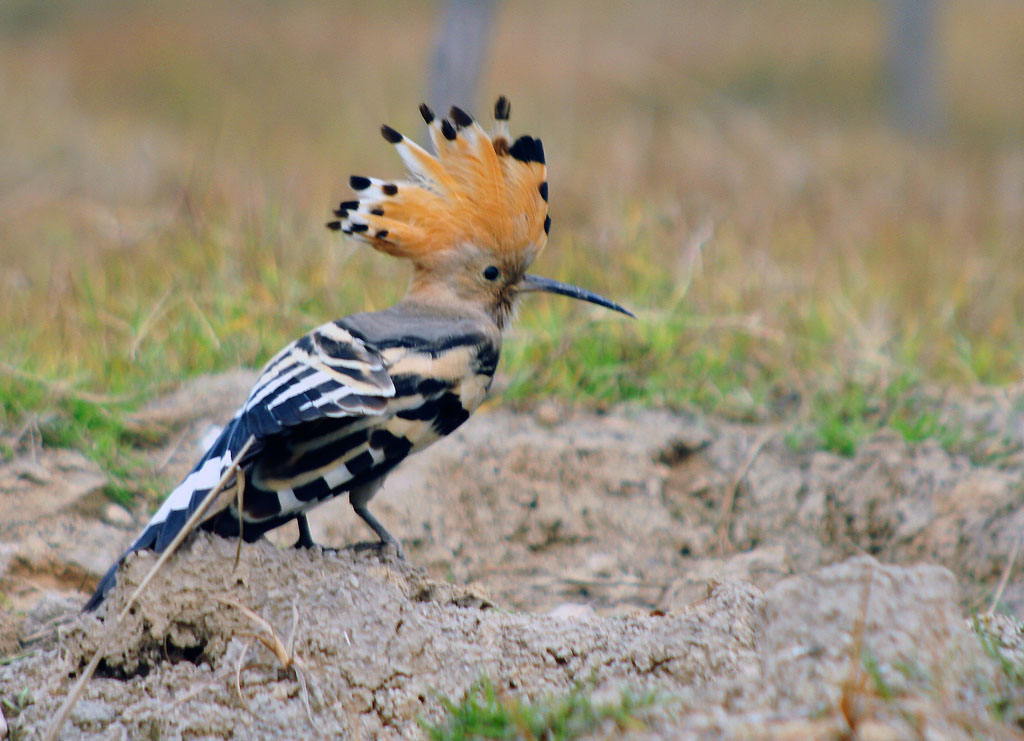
(327, 373)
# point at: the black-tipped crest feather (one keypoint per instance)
(528, 149)
(460, 117)
(392, 136)
(502, 109)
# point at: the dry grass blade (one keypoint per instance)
(284, 651)
(159, 310)
(172, 449)
(725, 512)
(241, 520)
(691, 259)
(295, 625)
(76, 691)
(855, 685)
(61, 389)
(269, 638)
(238, 671)
(204, 321)
(1005, 578)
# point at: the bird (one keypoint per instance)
(335, 411)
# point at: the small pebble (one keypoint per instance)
(572, 611)
(547, 414)
(91, 713)
(117, 515)
(32, 472)
(874, 730)
(209, 437)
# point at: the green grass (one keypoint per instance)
(485, 713)
(165, 176)
(1006, 696)
(12, 706)
(875, 673)
(839, 420)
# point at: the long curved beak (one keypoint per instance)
(537, 283)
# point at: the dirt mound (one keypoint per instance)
(589, 526)
(627, 510)
(639, 509)
(378, 640)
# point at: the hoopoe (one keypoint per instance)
(335, 411)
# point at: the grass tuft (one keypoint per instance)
(485, 713)
(1006, 695)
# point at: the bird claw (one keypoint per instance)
(383, 549)
(325, 549)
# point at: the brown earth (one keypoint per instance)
(742, 579)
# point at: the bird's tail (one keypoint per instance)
(181, 503)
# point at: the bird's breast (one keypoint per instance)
(437, 389)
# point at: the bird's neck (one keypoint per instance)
(437, 296)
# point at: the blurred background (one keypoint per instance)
(804, 202)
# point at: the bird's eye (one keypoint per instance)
(491, 273)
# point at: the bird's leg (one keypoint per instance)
(386, 538)
(359, 498)
(305, 538)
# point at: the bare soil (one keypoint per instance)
(762, 591)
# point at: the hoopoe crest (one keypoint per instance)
(478, 190)
(481, 202)
(335, 411)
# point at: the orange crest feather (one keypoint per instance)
(479, 189)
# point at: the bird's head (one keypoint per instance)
(471, 219)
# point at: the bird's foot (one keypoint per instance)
(385, 549)
(325, 549)
(305, 539)
(386, 539)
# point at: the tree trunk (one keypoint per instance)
(461, 48)
(912, 65)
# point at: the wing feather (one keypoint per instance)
(327, 373)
